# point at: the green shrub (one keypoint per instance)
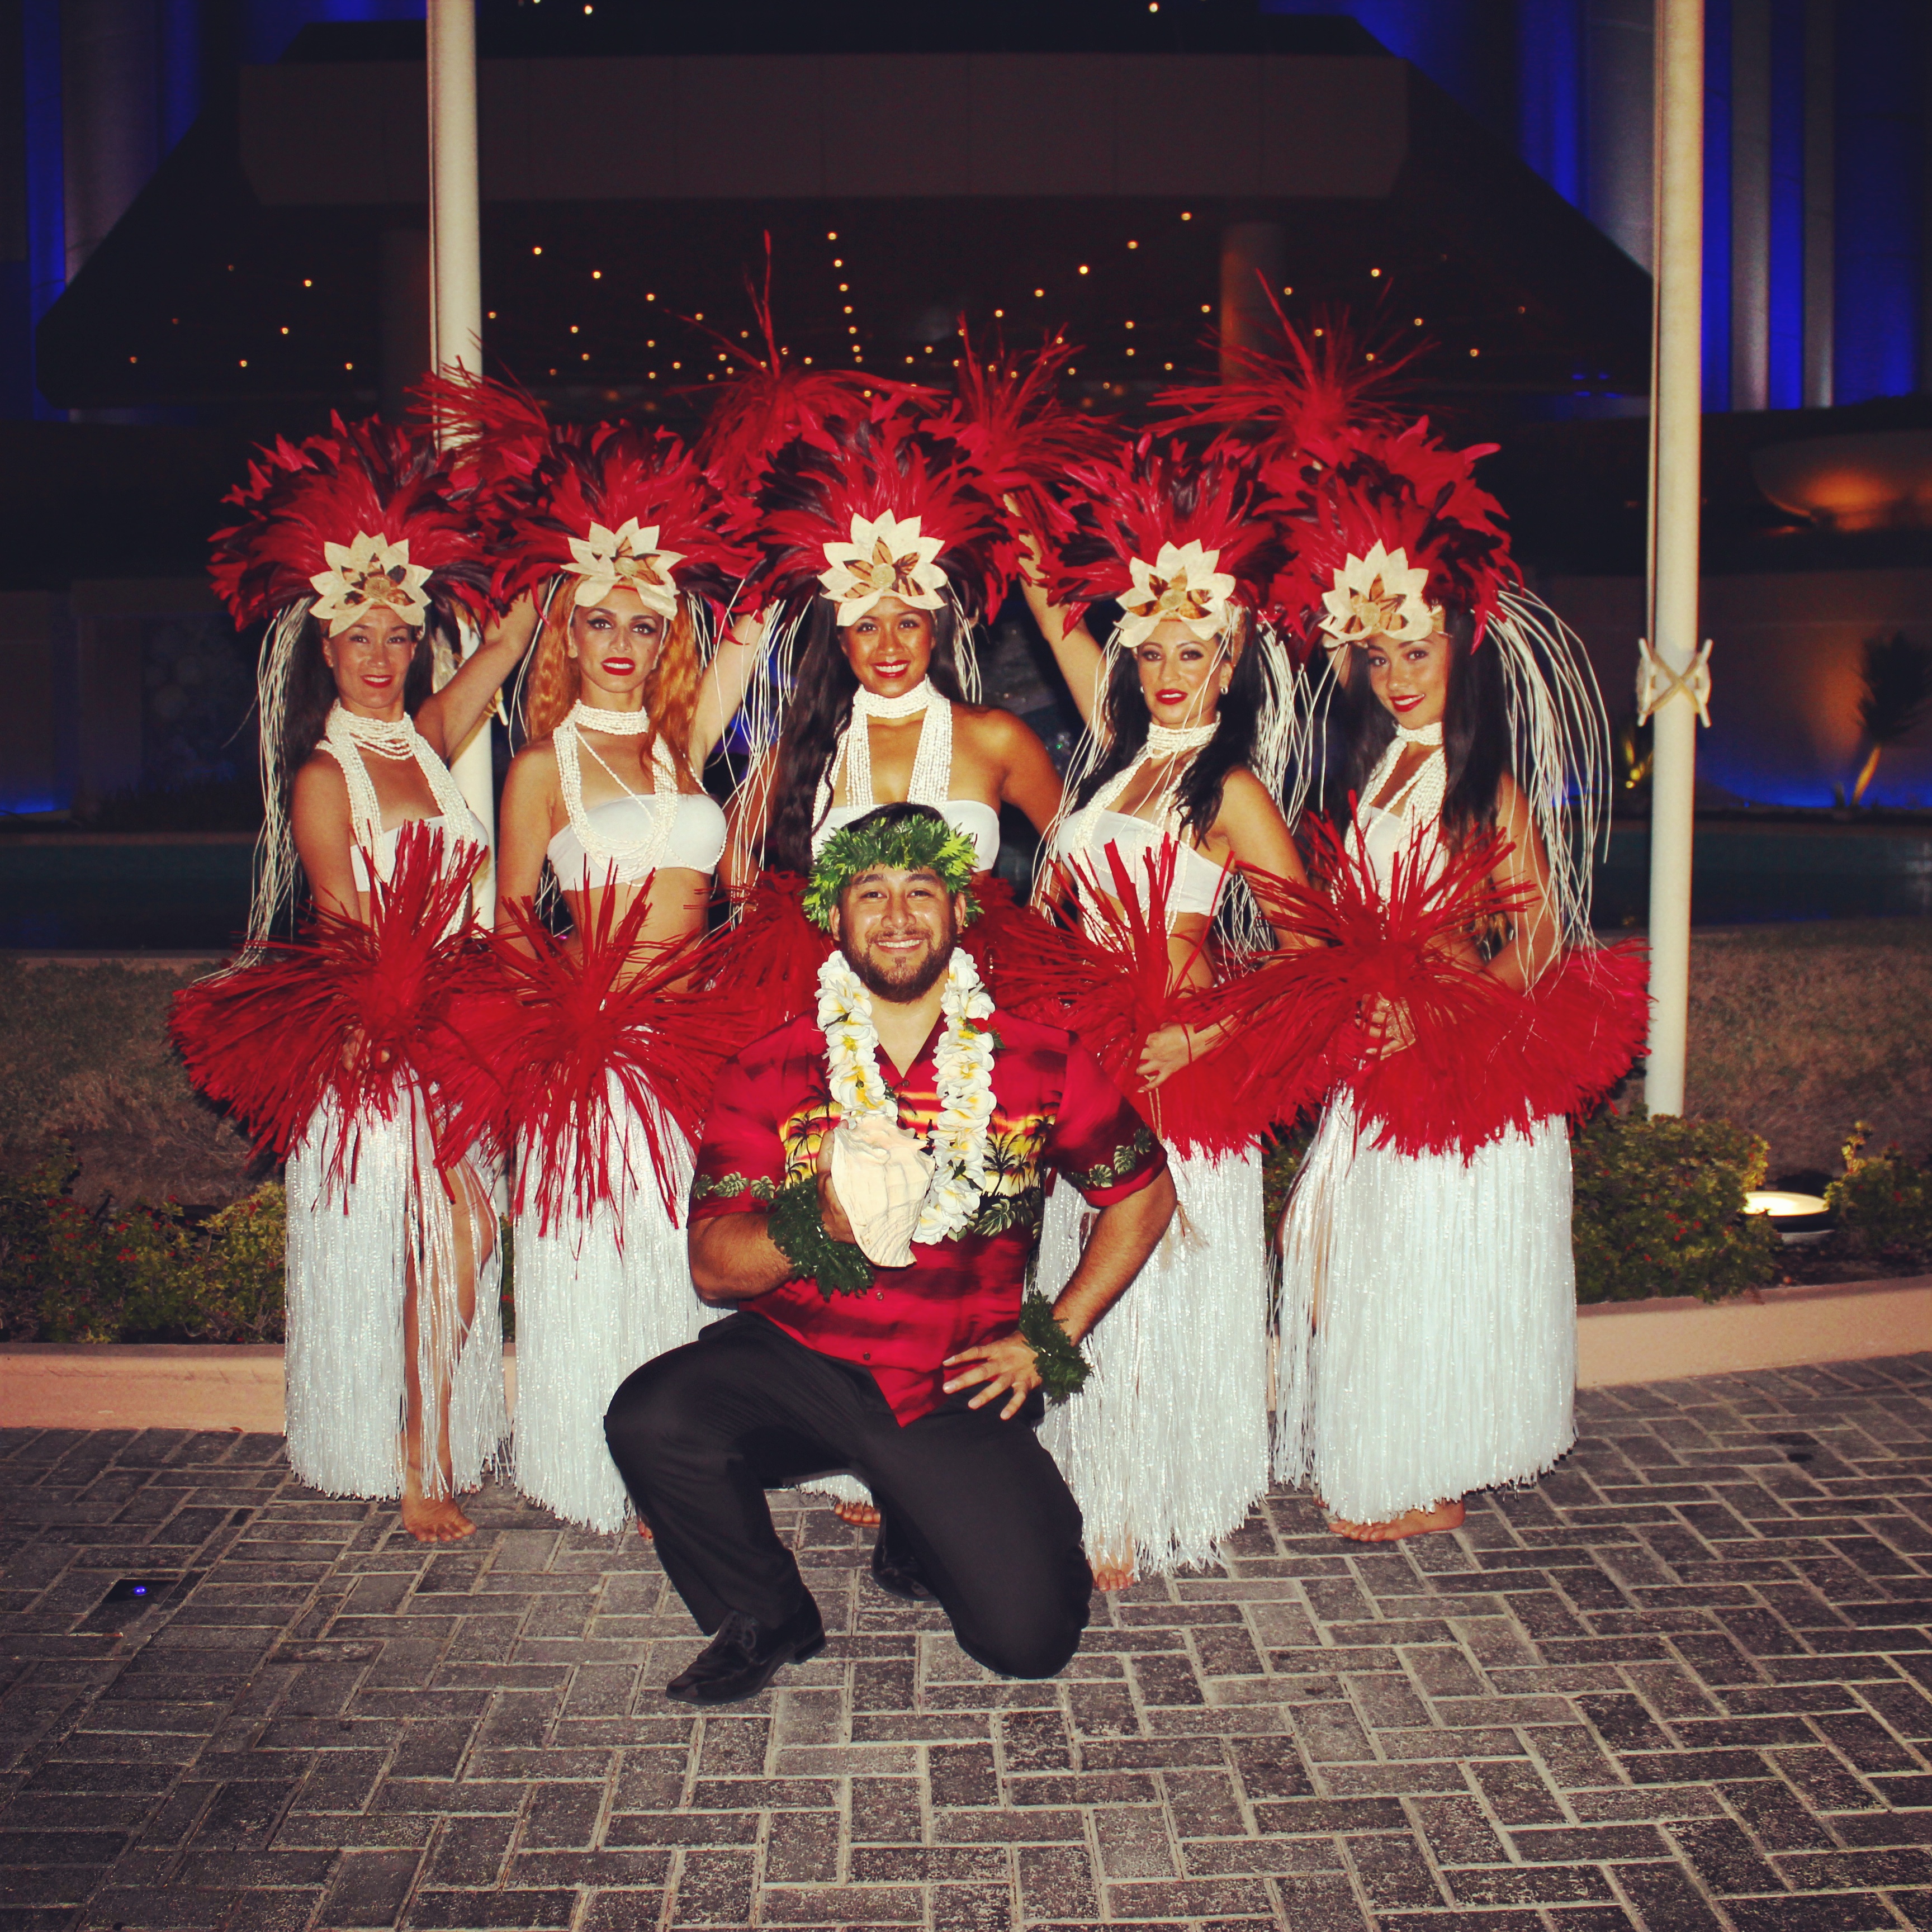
(1659, 1209)
(1883, 1201)
(142, 1274)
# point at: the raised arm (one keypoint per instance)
(727, 678)
(1080, 658)
(447, 718)
(1029, 780)
(1259, 837)
(745, 815)
(524, 829)
(1524, 865)
(319, 813)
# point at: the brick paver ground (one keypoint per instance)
(1680, 1685)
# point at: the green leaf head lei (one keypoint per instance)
(900, 838)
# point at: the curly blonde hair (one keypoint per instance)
(671, 690)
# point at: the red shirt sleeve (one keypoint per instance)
(1099, 1141)
(741, 1160)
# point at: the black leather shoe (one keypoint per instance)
(896, 1572)
(744, 1656)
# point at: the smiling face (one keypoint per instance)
(1410, 681)
(370, 662)
(890, 647)
(897, 930)
(1183, 678)
(615, 644)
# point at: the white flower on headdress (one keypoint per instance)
(1181, 583)
(628, 557)
(1377, 596)
(887, 557)
(370, 574)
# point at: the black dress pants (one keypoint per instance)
(699, 1434)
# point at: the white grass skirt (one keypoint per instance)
(596, 1298)
(1165, 1449)
(349, 1245)
(1428, 1342)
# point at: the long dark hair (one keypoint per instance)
(815, 722)
(311, 690)
(1475, 732)
(1124, 722)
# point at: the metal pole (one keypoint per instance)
(1676, 405)
(456, 295)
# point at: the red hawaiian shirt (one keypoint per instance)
(1053, 1108)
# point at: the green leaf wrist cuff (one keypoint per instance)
(1062, 1368)
(796, 1226)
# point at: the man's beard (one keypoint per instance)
(912, 982)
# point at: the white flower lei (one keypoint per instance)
(964, 1060)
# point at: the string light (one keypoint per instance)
(308, 283)
(492, 315)
(1133, 244)
(1418, 322)
(1287, 292)
(1374, 272)
(536, 251)
(997, 313)
(573, 329)
(1167, 365)
(1040, 292)
(831, 235)
(1475, 351)
(349, 366)
(285, 329)
(597, 275)
(650, 298)
(1185, 216)
(133, 358)
(1083, 268)
(1130, 324)
(245, 361)
(1207, 308)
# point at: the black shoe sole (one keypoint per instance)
(907, 1589)
(746, 1687)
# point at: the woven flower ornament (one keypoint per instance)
(1377, 596)
(368, 575)
(628, 557)
(887, 557)
(1181, 584)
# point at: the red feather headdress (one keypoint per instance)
(892, 502)
(616, 504)
(366, 515)
(1166, 533)
(1386, 524)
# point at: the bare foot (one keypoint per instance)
(431, 1519)
(1411, 1523)
(644, 1531)
(860, 1516)
(1112, 1572)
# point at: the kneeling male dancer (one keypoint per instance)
(868, 1193)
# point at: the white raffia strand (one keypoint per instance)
(276, 866)
(351, 1244)
(1428, 1337)
(963, 1061)
(1166, 1448)
(597, 1296)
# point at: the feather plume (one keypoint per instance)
(366, 477)
(584, 1044)
(357, 1014)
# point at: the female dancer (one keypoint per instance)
(353, 544)
(1428, 1329)
(608, 1064)
(1187, 712)
(881, 555)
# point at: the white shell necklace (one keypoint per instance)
(1420, 800)
(634, 858)
(931, 761)
(348, 736)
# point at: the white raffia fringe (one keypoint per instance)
(1166, 1447)
(350, 1243)
(596, 1299)
(1428, 1344)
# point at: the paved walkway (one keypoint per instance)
(1678, 1686)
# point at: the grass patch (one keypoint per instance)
(84, 1055)
(1797, 1031)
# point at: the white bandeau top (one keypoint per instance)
(1198, 881)
(461, 838)
(980, 823)
(695, 841)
